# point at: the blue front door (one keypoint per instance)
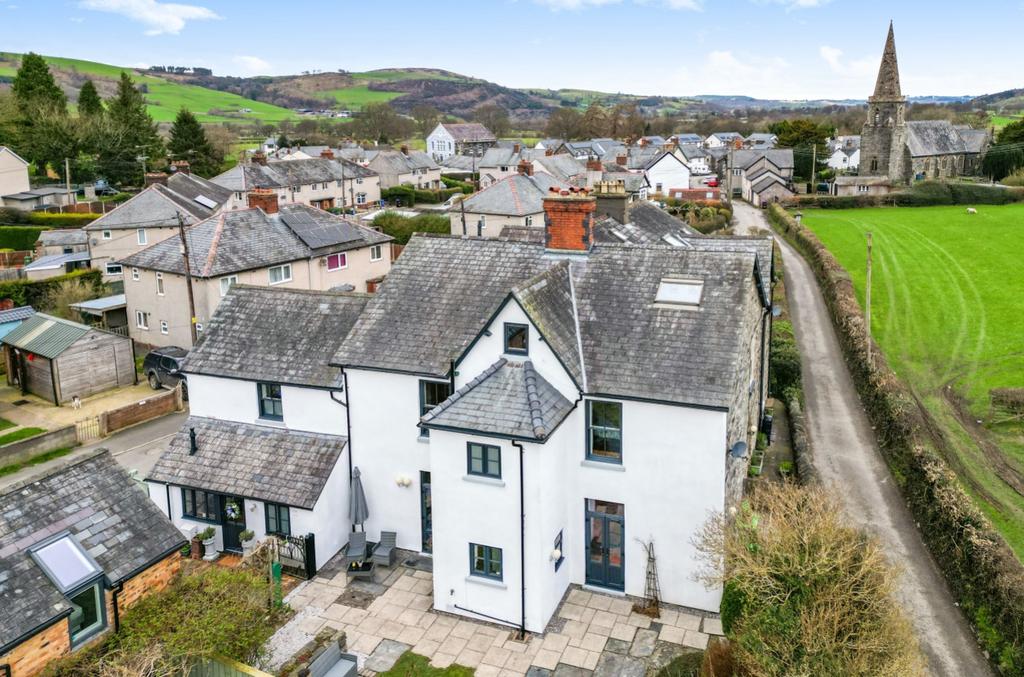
(605, 531)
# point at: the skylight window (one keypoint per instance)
(680, 292)
(672, 240)
(206, 202)
(66, 563)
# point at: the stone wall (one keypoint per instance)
(22, 450)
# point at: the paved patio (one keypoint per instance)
(591, 633)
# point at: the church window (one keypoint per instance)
(874, 164)
(877, 117)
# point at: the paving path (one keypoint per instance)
(847, 457)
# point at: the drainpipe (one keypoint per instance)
(348, 418)
(117, 613)
(766, 327)
(167, 490)
(451, 374)
(522, 543)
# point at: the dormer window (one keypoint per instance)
(517, 339)
(681, 292)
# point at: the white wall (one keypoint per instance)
(329, 519)
(440, 144)
(670, 173)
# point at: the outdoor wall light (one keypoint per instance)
(403, 481)
(556, 555)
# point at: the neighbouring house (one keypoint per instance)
(687, 139)
(499, 162)
(37, 198)
(470, 138)
(291, 245)
(153, 215)
(62, 241)
(583, 150)
(665, 171)
(12, 318)
(862, 185)
(79, 545)
(108, 312)
(268, 415)
(326, 181)
(760, 141)
(516, 200)
(56, 264)
(13, 173)
(844, 159)
(761, 176)
(406, 167)
(724, 140)
(58, 359)
(571, 389)
(695, 157)
(549, 144)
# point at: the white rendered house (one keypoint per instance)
(667, 171)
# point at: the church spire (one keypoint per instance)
(887, 87)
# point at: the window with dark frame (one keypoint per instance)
(604, 431)
(279, 519)
(483, 460)
(517, 339)
(200, 505)
(432, 393)
(270, 401)
(485, 561)
(561, 551)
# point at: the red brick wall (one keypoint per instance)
(569, 222)
(151, 407)
(30, 657)
(153, 579)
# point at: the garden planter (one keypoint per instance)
(209, 549)
(248, 547)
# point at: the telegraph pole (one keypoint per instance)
(814, 175)
(67, 178)
(188, 280)
(867, 302)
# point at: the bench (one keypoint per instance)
(331, 663)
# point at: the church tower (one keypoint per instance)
(884, 135)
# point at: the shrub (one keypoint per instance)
(61, 295)
(463, 186)
(409, 195)
(817, 594)
(784, 361)
(402, 227)
(61, 220)
(36, 292)
(921, 194)
(731, 607)
(19, 238)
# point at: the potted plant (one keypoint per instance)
(208, 537)
(248, 539)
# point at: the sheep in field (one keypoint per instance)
(972, 210)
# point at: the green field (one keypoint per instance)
(1000, 121)
(166, 97)
(948, 311)
(354, 98)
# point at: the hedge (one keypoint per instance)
(402, 227)
(20, 238)
(984, 576)
(923, 194)
(410, 195)
(9, 215)
(464, 186)
(34, 292)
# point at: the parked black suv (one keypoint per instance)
(162, 367)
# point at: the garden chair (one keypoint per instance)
(356, 550)
(384, 553)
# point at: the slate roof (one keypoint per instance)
(461, 163)
(469, 132)
(508, 398)
(63, 237)
(396, 162)
(747, 157)
(563, 167)
(286, 173)
(260, 462)
(253, 335)
(45, 335)
(933, 137)
(547, 298)
(684, 139)
(515, 195)
(52, 261)
(94, 499)
(975, 140)
(16, 314)
(691, 151)
(158, 205)
(633, 182)
(631, 347)
(652, 219)
(499, 157)
(246, 239)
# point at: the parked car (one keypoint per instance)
(711, 182)
(162, 368)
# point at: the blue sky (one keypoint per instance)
(763, 48)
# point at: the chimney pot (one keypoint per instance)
(155, 177)
(594, 165)
(263, 198)
(327, 154)
(181, 167)
(405, 149)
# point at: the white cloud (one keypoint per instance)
(858, 69)
(159, 17)
(251, 65)
(795, 4)
(558, 5)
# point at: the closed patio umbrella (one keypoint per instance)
(357, 508)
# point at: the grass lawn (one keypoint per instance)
(354, 98)
(414, 665)
(20, 434)
(5, 424)
(947, 302)
(35, 460)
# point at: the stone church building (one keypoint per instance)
(902, 151)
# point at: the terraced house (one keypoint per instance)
(293, 246)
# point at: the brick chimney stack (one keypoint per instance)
(613, 200)
(594, 165)
(549, 152)
(568, 220)
(259, 158)
(622, 159)
(155, 177)
(327, 154)
(516, 148)
(181, 167)
(405, 149)
(525, 168)
(264, 198)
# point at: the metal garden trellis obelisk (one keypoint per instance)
(652, 591)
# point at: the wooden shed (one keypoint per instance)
(58, 359)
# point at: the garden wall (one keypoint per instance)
(924, 194)
(23, 450)
(143, 410)
(985, 577)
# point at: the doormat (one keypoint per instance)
(19, 403)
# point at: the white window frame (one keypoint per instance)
(342, 259)
(140, 236)
(135, 274)
(284, 278)
(109, 268)
(164, 327)
(376, 252)
(159, 284)
(360, 198)
(529, 219)
(141, 320)
(107, 235)
(226, 282)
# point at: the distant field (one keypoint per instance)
(354, 98)
(948, 310)
(1000, 121)
(386, 75)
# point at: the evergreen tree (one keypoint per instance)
(130, 133)
(89, 102)
(189, 142)
(35, 89)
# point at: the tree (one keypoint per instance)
(426, 117)
(803, 136)
(130, 134)
(378, 122)
(564, 123)
(804, 593)
(188, 142)
(626, 121)
(89, 102)
(60, 297)
(594, 122)
(494, 118)
(35, 89)
(1006, 155)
